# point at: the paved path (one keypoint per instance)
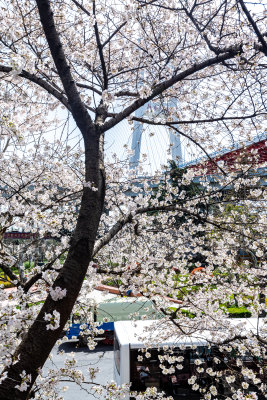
(101, 357)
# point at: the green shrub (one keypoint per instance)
(112, 282)
(188, 314)
(238, 312)
(28, 266)
(7, 284)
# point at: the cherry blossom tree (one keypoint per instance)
(100, 61)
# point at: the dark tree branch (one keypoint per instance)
(79, 5)
(113, 34)
(254, 26)
(40, 82)
(126, 93)
(161, 87)
(8, 272)
(85, 86)
(80, 114)
(100, 50)
(200, 146)
(118, 226)
(198, 121)
(48, 266)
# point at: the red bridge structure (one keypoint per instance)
(253, 156)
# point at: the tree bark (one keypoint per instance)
(37, 345)
(35, 348)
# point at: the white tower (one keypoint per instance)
(174, 138)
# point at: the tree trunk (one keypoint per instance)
(37, 345)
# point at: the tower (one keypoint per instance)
(174, 139)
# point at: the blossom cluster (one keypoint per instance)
(53, 319)
(25, 381)
(57, 293)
